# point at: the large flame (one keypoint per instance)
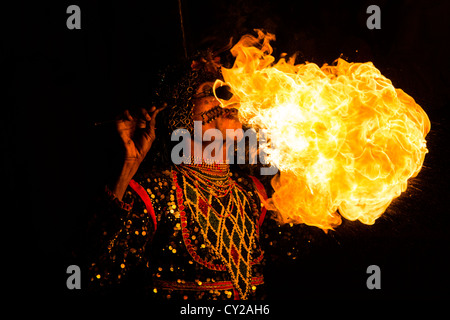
(344, 139)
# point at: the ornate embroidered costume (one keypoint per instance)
(194, 229)
(190, 230)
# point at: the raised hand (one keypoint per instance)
(137, 134)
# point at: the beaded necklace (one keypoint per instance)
(211, 178)
(219, 207)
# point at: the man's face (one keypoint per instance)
(204, 103)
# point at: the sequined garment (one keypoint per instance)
(205, 246)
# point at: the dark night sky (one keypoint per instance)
(60, 81)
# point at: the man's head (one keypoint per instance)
(207, 109)
(188, 91)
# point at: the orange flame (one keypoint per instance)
(344, 139)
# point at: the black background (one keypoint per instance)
(61, 81)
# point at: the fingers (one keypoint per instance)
(124, 122)
(146, 119)
(143, 119)
(140, 119)
(145, 114)
(141, 114)
(127, 115)
(154, 113)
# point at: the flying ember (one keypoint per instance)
(344, 139)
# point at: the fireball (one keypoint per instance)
(344, 139)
